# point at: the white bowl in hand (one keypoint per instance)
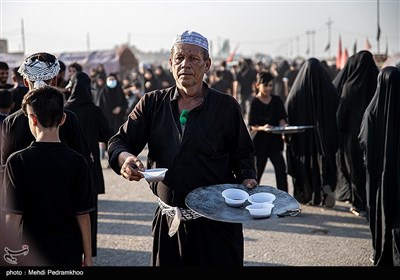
(259, 211)
(235, 197)
(261, 198)
(155, 174)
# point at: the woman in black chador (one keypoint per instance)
(343, 184)
(313, 100)
(356, 94)
(96, 129)
(379, 138)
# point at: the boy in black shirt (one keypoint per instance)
(48, 191)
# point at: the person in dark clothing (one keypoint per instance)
(62, 83)
(111, 99)
(227, 75)
(6, 105)
(267, 110)
(356, 94)
(290, 77)
(151, 81)
(282, 66)
(246, 80)
(18, 91)
(72, 69)
(164, 77)
(343, 185)
(212, 146)
(50, 211)
(38, 70)
(379, 139)
(96, 129)
(310, 155)
(4, 73)
(220, 84)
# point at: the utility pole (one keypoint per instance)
(329, 23)
(312, 33)
(88, 41)
(23, 36)
(379, 28)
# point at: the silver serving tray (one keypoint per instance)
(288, 129)
(209, 202)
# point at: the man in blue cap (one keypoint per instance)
(198, 134)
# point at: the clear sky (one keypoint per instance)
(268, 27)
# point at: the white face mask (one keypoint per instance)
(111, 83)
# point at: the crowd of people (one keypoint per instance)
(70, 124)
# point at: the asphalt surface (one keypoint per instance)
(317, 237)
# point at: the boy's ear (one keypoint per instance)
(63, 119)
(34, 119)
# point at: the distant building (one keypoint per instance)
(3, 46)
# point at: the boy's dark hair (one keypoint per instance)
(47, 103)
(6, 98)
(264, 77)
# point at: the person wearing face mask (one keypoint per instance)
(112, 100)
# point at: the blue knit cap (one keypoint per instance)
(192, 37)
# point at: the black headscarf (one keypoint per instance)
(343, 186)
(81, 92)
(92, 120)
(357, 91)
(342, 76)
(380, 138)
(312, 100)
(356, 94)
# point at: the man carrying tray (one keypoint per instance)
(208, 145)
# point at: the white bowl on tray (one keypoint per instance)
(259, 211)
(261, 198)
(154, 174)
(235, 197)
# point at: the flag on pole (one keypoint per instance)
(355, 47)
(378, 35)
(387, 48)
(339, 53)
(328, 46)
(232, 54)
(367, 44)
(344, 58)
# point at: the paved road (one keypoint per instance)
(317, 237)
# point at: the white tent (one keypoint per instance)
(119, 60)
(92, 59)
